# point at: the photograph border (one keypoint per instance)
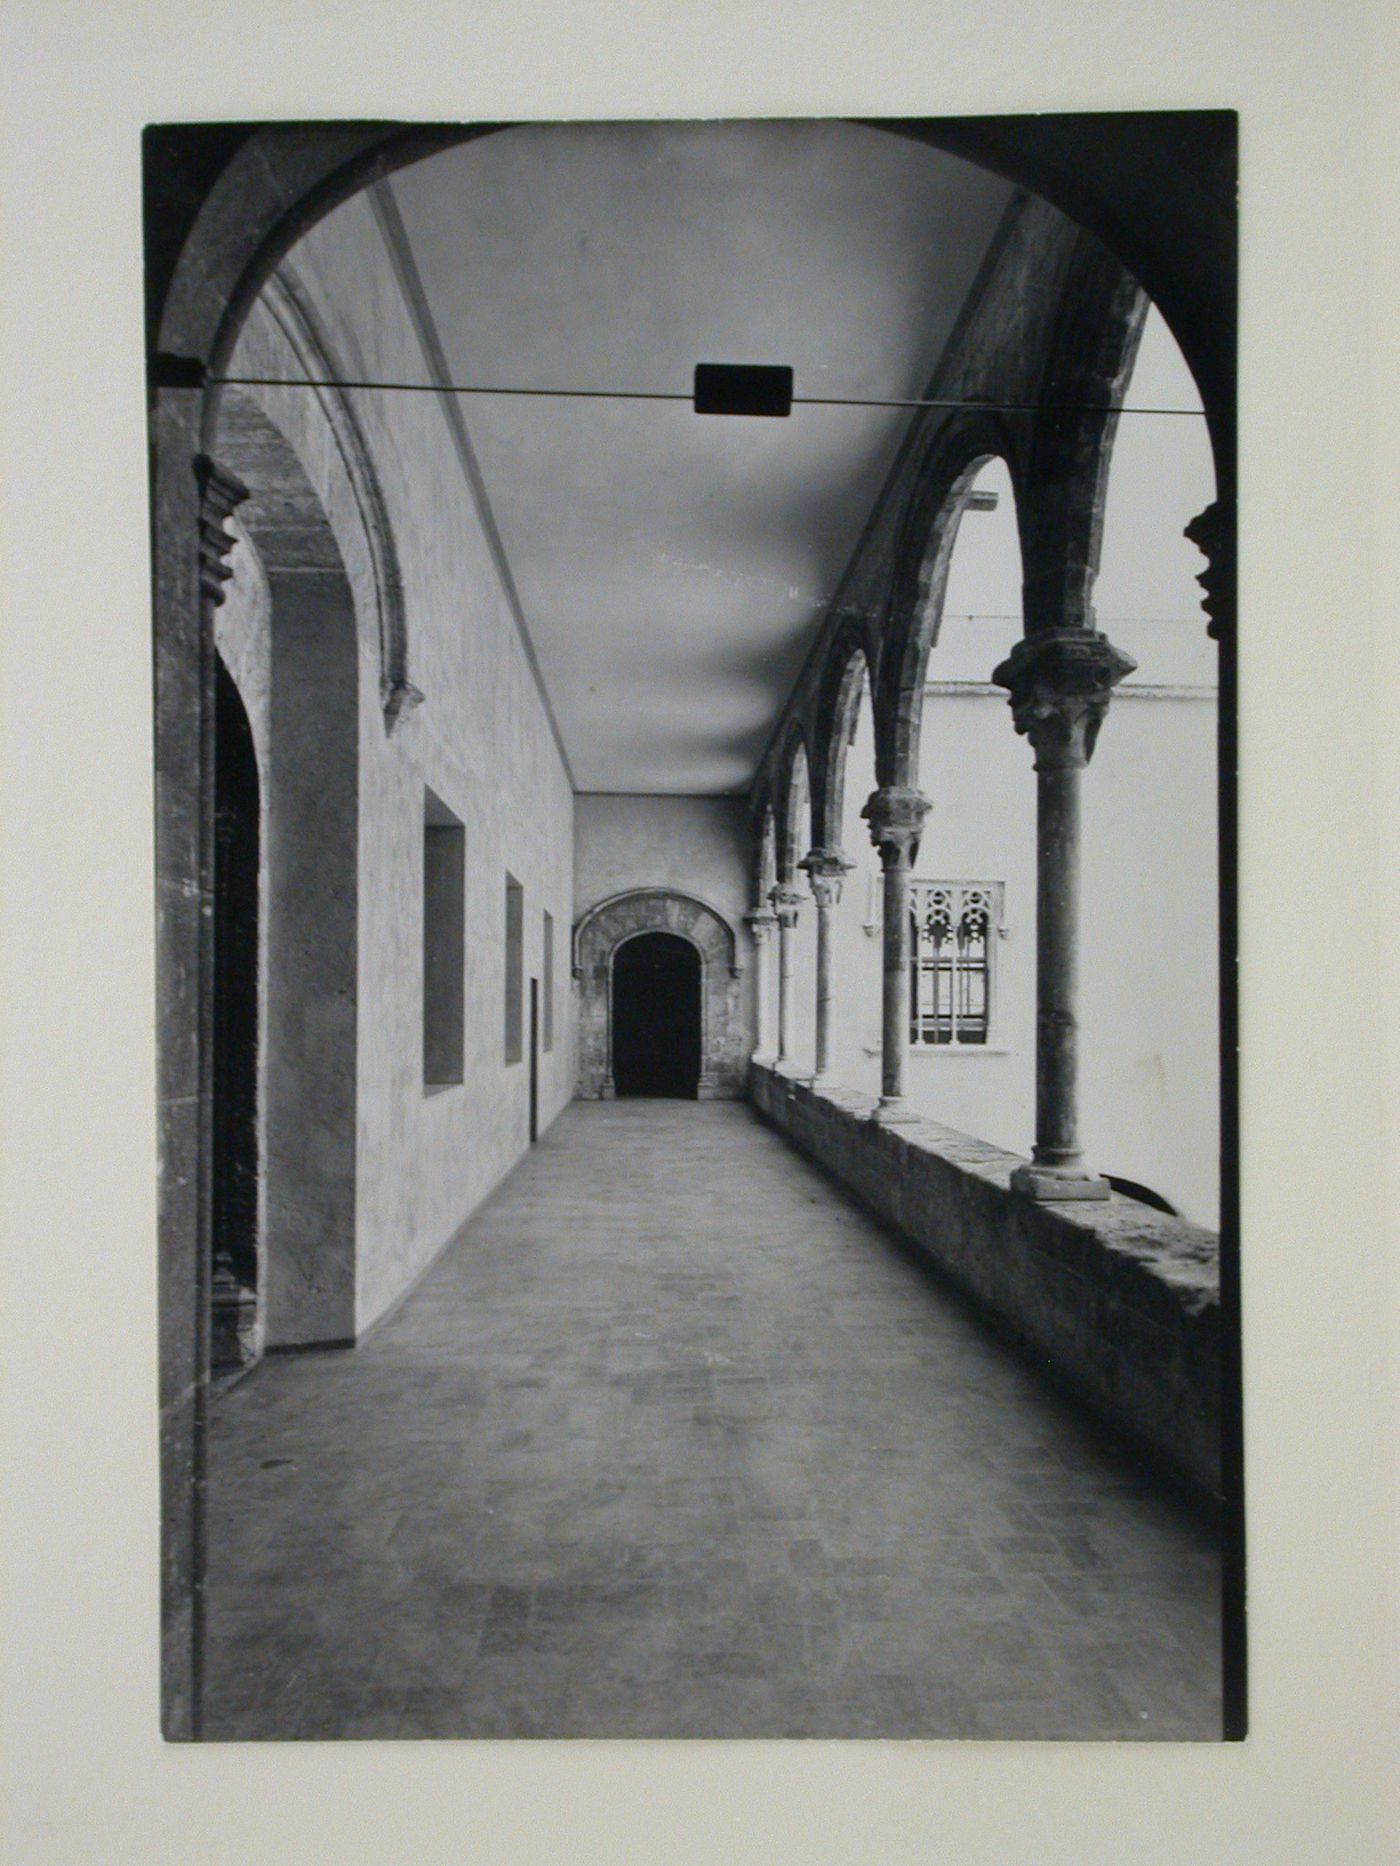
(1317, 97)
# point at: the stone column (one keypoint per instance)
(786, 901)
(761, 923)
(1060, 683)
(825, 869)
(896, 817)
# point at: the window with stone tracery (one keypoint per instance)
(952, 924)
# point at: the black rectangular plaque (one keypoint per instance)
(743, 389)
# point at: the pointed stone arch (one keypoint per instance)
(1094, 345)
(928, 535)
(794, 795)
(848, 671)
(289, 305)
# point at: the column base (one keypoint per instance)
(235, 1326)
(1047, 1182)
(894, 1108)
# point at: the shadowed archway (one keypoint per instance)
(601, 938)
(236, 1336)
(656, 1017)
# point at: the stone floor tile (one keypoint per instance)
(675, 1441)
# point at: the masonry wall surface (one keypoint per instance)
(1120, 1303)
(693, 847)
(698, 844)
(481, 741)
(726, 1033)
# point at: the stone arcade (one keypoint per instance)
(533, 765)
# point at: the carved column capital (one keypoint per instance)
(825, 870)
(1213, 534)
(220, 495)
(397, 699)
(786, 901)
(760, 922)
(896, 816)
(1060, 684)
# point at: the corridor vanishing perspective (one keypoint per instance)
(614, 1471)
(695, 695)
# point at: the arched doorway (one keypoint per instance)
(234, 1333)
(306, 645)
(601, 940)
(656, 1017)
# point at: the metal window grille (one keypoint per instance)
(950, 961)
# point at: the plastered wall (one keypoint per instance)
(1149, 1068)
(700, 846)
(480, 740)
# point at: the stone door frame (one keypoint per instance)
(608, 926)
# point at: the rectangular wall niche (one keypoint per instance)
(515, 969)
(547, 966)
(444, 903)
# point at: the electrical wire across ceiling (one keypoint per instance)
(664, 395)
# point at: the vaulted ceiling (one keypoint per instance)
(672, 568)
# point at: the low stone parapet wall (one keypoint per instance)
(1119, 1302)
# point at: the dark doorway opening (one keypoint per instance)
(234, 1280)
(534, 1060)
(656, 1017)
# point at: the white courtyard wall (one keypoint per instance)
(1149, 1053)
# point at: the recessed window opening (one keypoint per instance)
(444, 902)
(950, 986)
(515, 970)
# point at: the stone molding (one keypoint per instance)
(896, 815)
(1060, 684)
(289, 305)
(786, 903)
(725, 1040)
(220, 495)
(826, 869)
(760, 921)
(1213, 534)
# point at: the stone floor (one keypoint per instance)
(675, 1441)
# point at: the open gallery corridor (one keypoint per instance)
(674, 1442)
(694, 1192)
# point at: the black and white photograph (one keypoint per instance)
(698, 1023)
(693, 660)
